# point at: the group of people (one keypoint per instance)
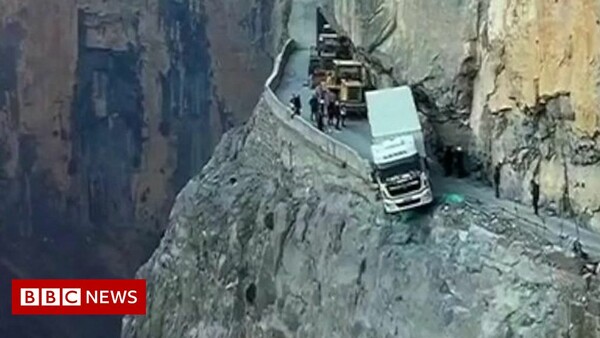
(323, 104)
(454, 159)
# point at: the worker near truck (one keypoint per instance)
(337, 114)
(459, 157)
(329, 104)
(319, 90)
(343, 114)
(296, 105)
(320, 120)
(330, 113)
(448, 160)
(314, 107)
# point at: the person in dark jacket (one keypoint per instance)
(459, 157)
(337, 114)
(330, 112)
(343, 113)
(314, 107)
(535, 196)
(497, 171)
(322, 106)
(448, 160)
(296, 104)
(320, 120)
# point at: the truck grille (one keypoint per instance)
(407, 203)
(404, 188)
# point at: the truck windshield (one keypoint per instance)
(350, 73)
(331, 48)
(405, 165)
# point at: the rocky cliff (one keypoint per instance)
(107, 108)
(272, 239)
(520, 78)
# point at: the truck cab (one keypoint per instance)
(401, 174)
(348, 70)
(328, 45)
(399, 158)
(347, 80)
(352, 97)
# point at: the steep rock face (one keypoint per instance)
(522, 78)
(106, 109)
(272, 240)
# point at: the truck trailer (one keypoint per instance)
(400, 167)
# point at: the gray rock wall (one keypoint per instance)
(107, 108)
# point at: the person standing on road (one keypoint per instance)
(535, 196)
(460, 162)
(322, 106)
(296, 105)
(330, 112)
(319, 91)
(326, 102)
(337, 114)
(330, 107)
(497, 171)
(343, 114)
(448, 160)
(314, 107)
(320, 122)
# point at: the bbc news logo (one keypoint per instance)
(79, 297)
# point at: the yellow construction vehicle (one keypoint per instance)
(351, 70)
(352, 98)
(348, 80)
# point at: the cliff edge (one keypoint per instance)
(107, 109)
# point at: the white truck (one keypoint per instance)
(398, 149)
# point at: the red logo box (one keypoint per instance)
(78, 297)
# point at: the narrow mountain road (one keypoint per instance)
(560, 232)
(303, 29)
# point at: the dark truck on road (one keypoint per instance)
(329, 46)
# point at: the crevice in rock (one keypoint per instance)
(360, 288)
(388, 30)
(251, 293)
(313, 204)
(284, 237)
(268, 220)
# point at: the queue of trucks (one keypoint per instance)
(399, 158)
(331, 64)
